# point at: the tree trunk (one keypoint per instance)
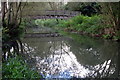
(3, 13)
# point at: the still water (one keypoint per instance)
(63, 57)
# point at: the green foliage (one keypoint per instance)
(46, 23)
(21, 29)
(77, 23)
(111, 15)
(93, 25)
(88, 9)
(83, 23)
(10, 34)
(39, 22)
(117, 36)
(17, 68)
(107, 36)
(28, 23)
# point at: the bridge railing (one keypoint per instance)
(56, 12)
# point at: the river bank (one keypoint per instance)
(91, 26)
(96, 36)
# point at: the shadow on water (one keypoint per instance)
(61, 57)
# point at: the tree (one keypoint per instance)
(86, 8)
(55, 5)
(11, 21)
(111, 13)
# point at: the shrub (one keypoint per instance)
(39, 22)
(78, 23)
(89, 9)
(17, 68)
(107, 36)
(28, 23)
(116, 36)
(50, 22)
(46, 23)
(78, 19)
(89, 24)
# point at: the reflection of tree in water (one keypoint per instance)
(118, 60)
(104, 70)
(102, 59)
(83, 63)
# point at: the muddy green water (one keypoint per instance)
(63, 57)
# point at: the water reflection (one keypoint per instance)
(65, 58)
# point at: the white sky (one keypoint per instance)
(63, 0)
(0, 6)
(59, 1)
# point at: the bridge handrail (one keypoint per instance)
(57, 12)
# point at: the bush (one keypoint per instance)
(83, 23)
(17, 68)
(39, 22)
(78, 23)
(107, 36)
(116, 36)
(46, 23)
(89, 9)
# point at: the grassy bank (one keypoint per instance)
(17, 68)
(92, 26)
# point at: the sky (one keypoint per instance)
(65, 0)
(0, 6)
(61, 1)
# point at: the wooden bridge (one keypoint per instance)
(57, 14)
(42, 35)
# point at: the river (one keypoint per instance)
(64, 57)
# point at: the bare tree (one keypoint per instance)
(11, 20)
(112, 13)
